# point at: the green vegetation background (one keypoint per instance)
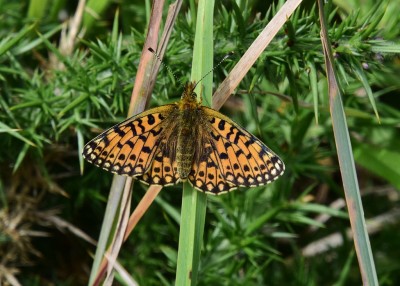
(52, 103)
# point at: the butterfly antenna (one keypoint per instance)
(165, 65)
(220, 62)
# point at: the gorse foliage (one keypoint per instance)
(52, 102)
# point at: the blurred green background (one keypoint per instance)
(55, 97)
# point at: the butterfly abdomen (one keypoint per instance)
(186, 144)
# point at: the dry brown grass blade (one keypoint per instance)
(138, 101)
(9, 275)
(141, 92)
(124, 275)
(111, 217)
(64, 225)
(119, 234)
(68, 43)
(334, 240)
(173, 11)
(140, 95)
(253, 52)
(70, 33)
(141, 208)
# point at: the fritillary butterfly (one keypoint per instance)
(185, 141)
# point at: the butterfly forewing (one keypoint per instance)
(129, 148)
(243, 159)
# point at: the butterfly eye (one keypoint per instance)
(194, 95)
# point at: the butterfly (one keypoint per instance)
(185, 141)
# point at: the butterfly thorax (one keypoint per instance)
(189, 109)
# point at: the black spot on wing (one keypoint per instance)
(221, 125)
(150, 119)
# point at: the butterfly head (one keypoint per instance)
(189, 97)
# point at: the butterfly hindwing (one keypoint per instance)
(206, 174)
(163, 170)
(129, 147)
(242, 158)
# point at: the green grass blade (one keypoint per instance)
(363, 78)
(93, 10)
(14, 132)
(382, 162)
(314, 87)
(10, 42)
(193, 202)
(37, 8)
(347, 166)
(108, 224)
(190, 236)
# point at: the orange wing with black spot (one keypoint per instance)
(233, 156)
(206, 174)
(164, 169)
(130, 147)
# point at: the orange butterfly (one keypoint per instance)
(185, 141)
